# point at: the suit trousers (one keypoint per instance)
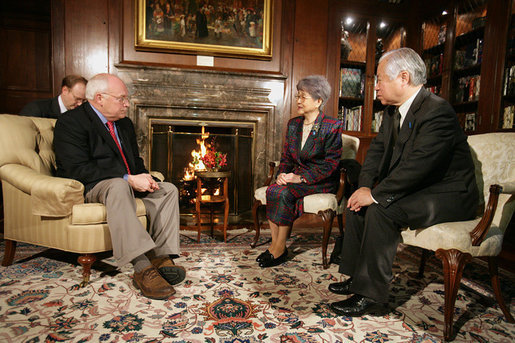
(129, 238)
(369, 247)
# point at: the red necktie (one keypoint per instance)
(113, 134)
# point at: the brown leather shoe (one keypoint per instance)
(169, 271)
(152, 284)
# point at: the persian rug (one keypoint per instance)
(227, 298)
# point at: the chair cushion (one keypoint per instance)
(95, 213)
(312, 203)
(455, 235)
(260, 194)
(320, 202)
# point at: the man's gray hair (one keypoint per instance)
(97, 84)
(317, 87)
(405, 59)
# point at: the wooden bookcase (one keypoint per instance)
(363, 40)
(461, 50)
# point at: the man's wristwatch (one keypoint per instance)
(302, 179)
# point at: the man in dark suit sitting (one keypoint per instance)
(418, 172)
(95, 144)
(73, 90)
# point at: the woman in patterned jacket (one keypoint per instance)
(309, 164)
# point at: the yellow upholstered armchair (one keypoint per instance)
(325, 205)
(40, 208)
(456, 243)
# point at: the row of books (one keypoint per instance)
(471, 54)
(468, 88)
(507, 119)
(509, 81)
(351, 117)
(352, 82)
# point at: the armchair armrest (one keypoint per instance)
(271, 172)
(50, 196)
(157, 175)
(479, 232)
(349, 176)
(508, 188)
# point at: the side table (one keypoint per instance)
(212, 180)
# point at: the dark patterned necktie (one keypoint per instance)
(110, 126)
(396, 124)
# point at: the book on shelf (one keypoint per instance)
(442, 34)
(509, 81)
(352, 82)
(377, 120)
(351, 117)
(468, 88)
(434, 65)
(507, 119)
(470, 122)
(434, 89)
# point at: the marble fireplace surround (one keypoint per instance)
(158, 92)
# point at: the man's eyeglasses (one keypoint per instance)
(120, 99)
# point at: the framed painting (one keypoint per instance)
(240, 28)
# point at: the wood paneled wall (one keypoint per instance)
(25, 57)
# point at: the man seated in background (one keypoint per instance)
(95, 144)
(73, 94)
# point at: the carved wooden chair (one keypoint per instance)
(456, 243)
(325, 205)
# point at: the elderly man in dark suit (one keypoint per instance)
(418, 172)
(73, 90)
(96, 145)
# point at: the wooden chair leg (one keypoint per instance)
(327, 217)
(257, 226)
(453, 262)
(422, 266)
(10, 249)
(86, 261)
(494, 276)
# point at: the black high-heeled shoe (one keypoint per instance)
(274, 261)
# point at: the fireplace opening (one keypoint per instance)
(171, 146)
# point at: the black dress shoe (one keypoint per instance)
(274, 261)
(342, 288)
(265, 255)
(356, 305)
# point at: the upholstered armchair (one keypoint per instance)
(457, 243)
(40, 208)
(325, 205)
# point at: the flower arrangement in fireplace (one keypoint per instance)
(214, 160)
(206, 158)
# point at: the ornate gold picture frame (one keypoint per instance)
(239, 28)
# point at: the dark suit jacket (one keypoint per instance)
(46, 108)
(85, 151)
(429, 172)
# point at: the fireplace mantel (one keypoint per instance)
(159, 92)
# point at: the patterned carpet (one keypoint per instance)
(226, 298)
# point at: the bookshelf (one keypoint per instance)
(457, 46)
(363, 41)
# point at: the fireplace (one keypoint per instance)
(173, 140)
(244, 111)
